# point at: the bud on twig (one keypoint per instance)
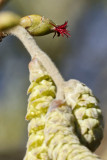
(39, 26)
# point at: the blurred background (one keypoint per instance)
(82, 57)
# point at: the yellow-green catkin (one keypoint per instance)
(60, 136)
(88, 116)
(42, 91)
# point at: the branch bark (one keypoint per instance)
(34, 51)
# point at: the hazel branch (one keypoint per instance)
(60, 136)
(34, 51)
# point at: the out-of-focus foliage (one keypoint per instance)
(8, 20)
(83, 56)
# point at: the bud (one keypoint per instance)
(8, 20)
(39, 26)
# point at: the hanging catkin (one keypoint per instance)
(88, 116)
(42, 91)
(60, 135)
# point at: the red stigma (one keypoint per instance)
(61, 30)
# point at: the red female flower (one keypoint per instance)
(61, 30)
(37, 25)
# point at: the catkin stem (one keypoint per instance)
(34, 51)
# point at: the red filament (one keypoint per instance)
(61, 30)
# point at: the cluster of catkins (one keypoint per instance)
(61, 129)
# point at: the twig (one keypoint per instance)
(35, 51)
(2, 35)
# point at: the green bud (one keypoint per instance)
(8, 20)
(37, 25)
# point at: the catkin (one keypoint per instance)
(42, 91)
(88, 116)
(60, 137)
(54, 123)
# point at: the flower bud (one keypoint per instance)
(39, 26)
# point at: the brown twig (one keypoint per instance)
(2, 35)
